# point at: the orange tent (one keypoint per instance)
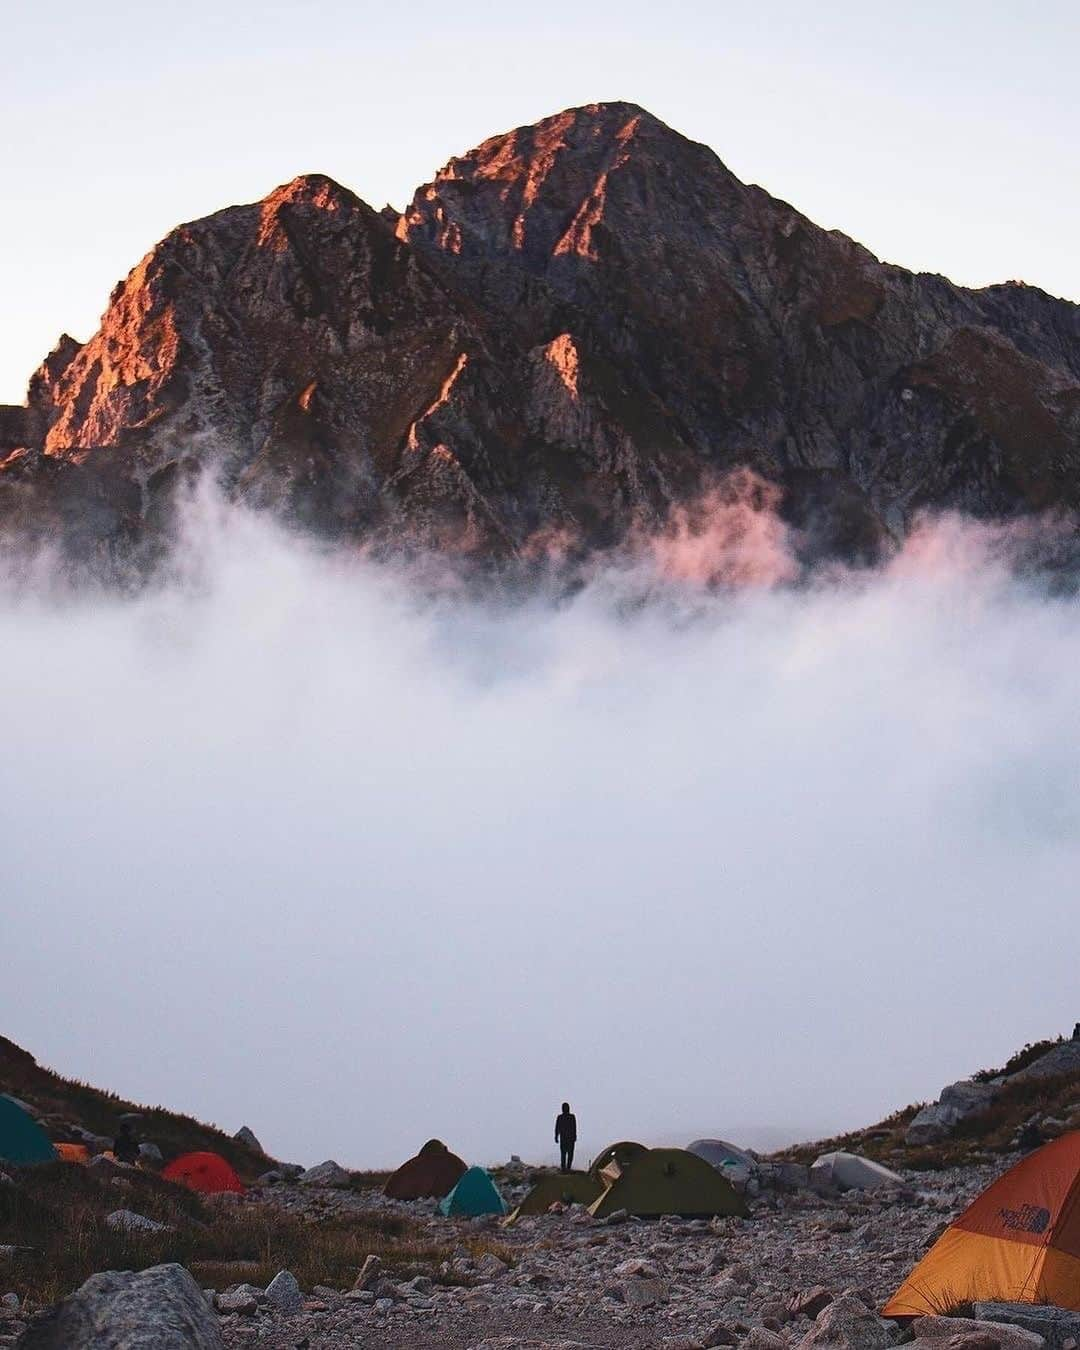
(1018, 1243)
(205, 1172)
(435, 1171)
(72, 1153)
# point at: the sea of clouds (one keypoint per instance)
(355, 854)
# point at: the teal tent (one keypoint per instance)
(474, 1194)
(22, 1140)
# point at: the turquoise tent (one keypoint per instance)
(22, 1140)
(474, 1194)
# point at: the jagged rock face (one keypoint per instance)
(765, 339)
(569, 330)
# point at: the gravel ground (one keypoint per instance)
(669, 1284)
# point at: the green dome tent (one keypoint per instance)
(568, 1188)
(22, 1140)
(667, 1181)
(474, 1194)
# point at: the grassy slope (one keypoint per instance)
(58, 1211)
(64, 1099)
(987, 1133)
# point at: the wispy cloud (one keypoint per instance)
(302, 840)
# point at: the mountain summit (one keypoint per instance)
(570, 329)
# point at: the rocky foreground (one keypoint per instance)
(804, 1269)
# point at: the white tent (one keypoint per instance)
(719, 1151)
(734, 1162)
(850, 1172)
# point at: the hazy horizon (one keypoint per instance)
(304, 842)
(937, 137)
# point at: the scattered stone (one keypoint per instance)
(809, 1302)
(1057, 1326)
(283, 1291)
(242, 1299)
(966, 1333)
(370, 1271)
(720, 1335)
(244, 1135)
(761, 1338)
(325, 1174)
(127, 1221)
(849, 1323)
(157, 1309)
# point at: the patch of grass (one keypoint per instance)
(991, 1131)
(1030, 1053)
(368, 1181)
(59, 1211)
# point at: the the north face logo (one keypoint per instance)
(1026, 1219)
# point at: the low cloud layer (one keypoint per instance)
(299, 841)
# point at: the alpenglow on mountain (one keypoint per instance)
(571, 328)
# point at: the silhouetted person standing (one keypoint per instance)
(566, 1137)
(125, 1145)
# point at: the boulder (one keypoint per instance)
(242, 1299)
(809, 1302)
(157, 1309)
(324, 1174)
(761, 1338)
(847, 1322)
(151, 1155)
(970, 1333)
(370, 1271)
(127, 1221)
(643, 1292)
(1057, 1326)
(957, 1101)
(1063, 1058)
(283, 1292)
(244, 1135)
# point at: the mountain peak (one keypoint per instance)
(312, 189)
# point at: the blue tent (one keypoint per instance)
(22, 1140)
(474, 1194)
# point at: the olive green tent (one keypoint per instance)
(22, 1140)
(568, 1188)
(621, 1154)
(667, 1181)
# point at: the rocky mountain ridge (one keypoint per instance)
(570, 330)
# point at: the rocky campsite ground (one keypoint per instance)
(323, 1259)
(623, 1282)
(803, 1268)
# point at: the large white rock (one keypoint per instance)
(851, 1172)
(157, 1309)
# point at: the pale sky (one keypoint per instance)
(941, 135)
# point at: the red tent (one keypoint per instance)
(205, 1172)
